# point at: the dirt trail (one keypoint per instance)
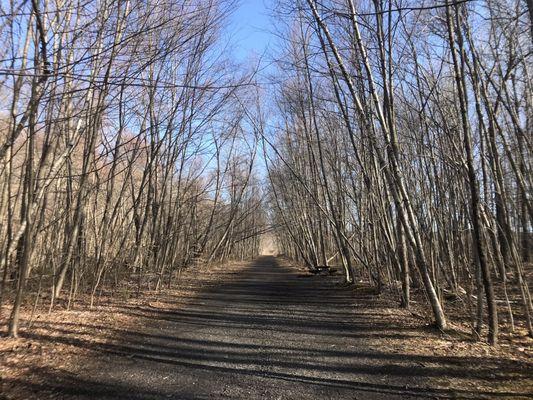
(263, 331)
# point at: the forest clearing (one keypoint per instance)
(279, 199)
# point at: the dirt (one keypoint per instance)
(259, 330)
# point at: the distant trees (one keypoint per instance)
(123, 156)
(402, 149)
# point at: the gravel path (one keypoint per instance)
(262, 330)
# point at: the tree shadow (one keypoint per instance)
(265, 333)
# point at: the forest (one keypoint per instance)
(384, 142)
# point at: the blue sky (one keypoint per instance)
(251, 28)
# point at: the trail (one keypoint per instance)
(262, 330)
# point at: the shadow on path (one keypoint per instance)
(262, 331)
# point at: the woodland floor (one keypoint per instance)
(259, 330)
